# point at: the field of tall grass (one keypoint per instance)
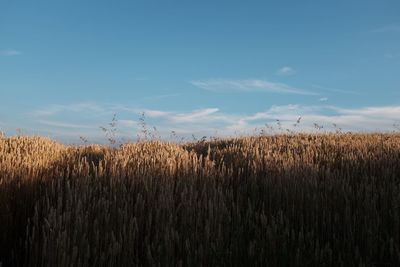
(279, 200)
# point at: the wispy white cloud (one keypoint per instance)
(9, 53)
(55, 109)
(365, 118)
(127, 123)
(286, 71)
(388, 28)
(283, 113)
(334, 90)
(386, 112)
(63, 124)
(196, 115)
(162, 96)
(239, 126)
(155, 113)
(208, 121)
(251, 85)
(207, 115)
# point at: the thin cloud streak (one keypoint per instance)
(334, 90)
(56, 109)
(196, 116)
(208, 121)
(354, 119)
(158, 97)
(63, 124)
(10, 53)
(250, 85)
(286, 71)
(127, 123)
(388, 112)
(364, 119)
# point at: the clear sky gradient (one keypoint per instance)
(198, 67)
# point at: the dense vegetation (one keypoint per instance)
(284, 200)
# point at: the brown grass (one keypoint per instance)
(284, 200)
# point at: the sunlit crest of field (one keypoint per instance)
(279, 200)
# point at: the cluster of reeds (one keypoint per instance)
(280, 200)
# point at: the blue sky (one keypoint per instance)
(203, 68)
